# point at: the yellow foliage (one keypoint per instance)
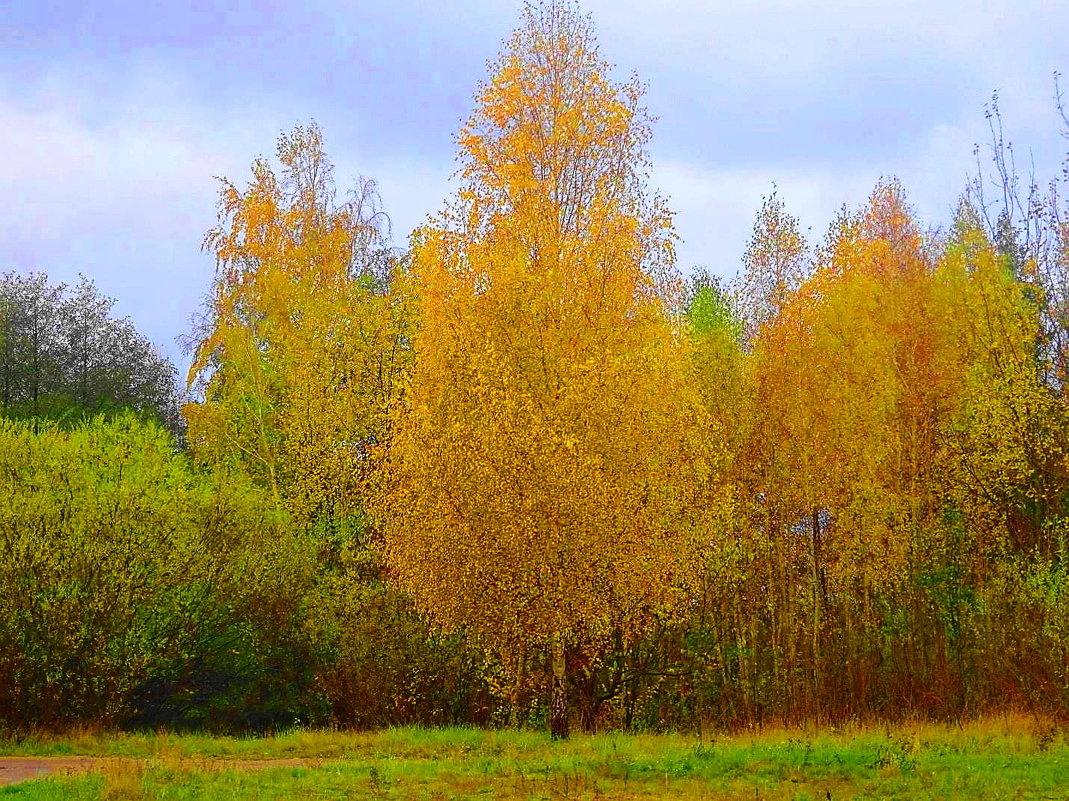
(549, 466)
(893, 387)
(304, 343)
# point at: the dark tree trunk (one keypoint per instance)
(588, 716)
(558, 704)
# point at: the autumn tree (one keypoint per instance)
(1027, 220)
(1007, 470)
(893, 390)
(549, 458)
(717, 334)
(775, 263)
(302, 341)
(861, 401)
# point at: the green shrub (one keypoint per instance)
(134, 587)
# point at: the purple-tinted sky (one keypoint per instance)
(115, 116)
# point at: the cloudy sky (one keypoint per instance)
(115, 116)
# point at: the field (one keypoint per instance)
(1006, 757)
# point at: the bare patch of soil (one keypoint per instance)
(19, 769)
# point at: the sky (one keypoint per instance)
(116, 117)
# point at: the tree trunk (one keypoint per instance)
(589, 701)
(558, 704)
(819, 606)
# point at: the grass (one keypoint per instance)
(1008, 757)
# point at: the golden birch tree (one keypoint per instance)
(548, 462)
(303, 340)
(849, 395)
(774, 266)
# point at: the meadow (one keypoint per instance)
(1002, 757)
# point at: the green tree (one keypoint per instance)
(133, 587)
(63, 355)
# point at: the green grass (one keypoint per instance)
(1012, 757)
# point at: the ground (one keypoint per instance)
(1005, 757)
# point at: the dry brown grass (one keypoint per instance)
(124, 779)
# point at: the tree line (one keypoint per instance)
(525, 472)
(64, 357)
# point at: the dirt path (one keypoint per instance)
(19, 769)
